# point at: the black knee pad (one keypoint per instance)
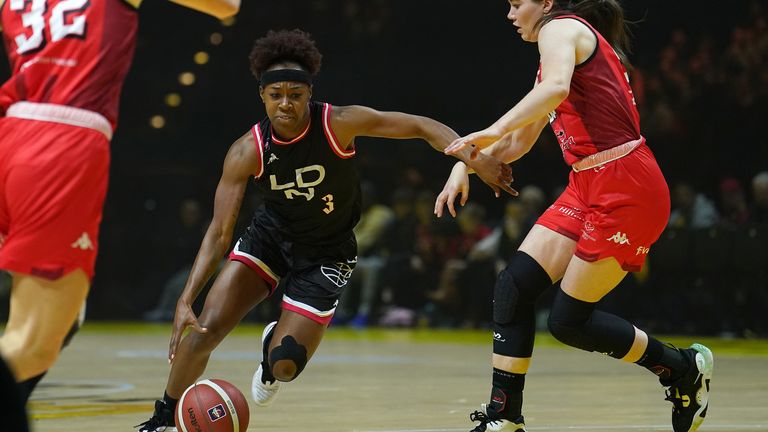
(291, 350)
(514, 304)
(519, 284)
(577, 323)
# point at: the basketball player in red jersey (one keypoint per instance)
(615, 206)
(57, 114)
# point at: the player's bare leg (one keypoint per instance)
(288, 345)
(685, 372)
(42, 312)
(236, 291)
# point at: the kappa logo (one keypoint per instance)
(83, 243)
(217, 413)
(619, 238)
(497, 336)
(272, 157)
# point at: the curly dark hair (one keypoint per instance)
(285, 45)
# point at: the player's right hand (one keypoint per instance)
(184, 317)
(457, 183)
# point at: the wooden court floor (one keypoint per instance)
(392, 381)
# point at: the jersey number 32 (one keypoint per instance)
(58, 27)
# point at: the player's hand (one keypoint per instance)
(183, 318)
(493, 172)
(457, 183)
(478, 140)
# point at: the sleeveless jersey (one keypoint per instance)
(310, 185)
(68, 52)
(600, 111)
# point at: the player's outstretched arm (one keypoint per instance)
(241, 162)
(352, 121)
(218, 8)
(557, 47)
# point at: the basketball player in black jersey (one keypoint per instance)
(302, 158)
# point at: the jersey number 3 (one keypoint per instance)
(34, 20)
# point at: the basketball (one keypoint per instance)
(212, 406)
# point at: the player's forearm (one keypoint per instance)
(537, 104)
(440, 136)
(218, 8)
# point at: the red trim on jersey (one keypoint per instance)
(318, 319)
(298, 138)
(256, 131)
(332, 140)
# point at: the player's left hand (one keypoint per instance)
(184, 317)
(478, 140)
(457, 184)
(493, 172)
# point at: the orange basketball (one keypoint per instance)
(212, 406)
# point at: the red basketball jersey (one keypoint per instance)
(68, 52)
(600, 111)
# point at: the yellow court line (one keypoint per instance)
(44, 411)
(746, 347)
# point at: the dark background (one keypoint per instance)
(458, 61)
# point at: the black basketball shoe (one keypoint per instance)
(690, 393)
(161, 420)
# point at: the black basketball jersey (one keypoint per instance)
(310, 184)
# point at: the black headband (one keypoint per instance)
(280, 75)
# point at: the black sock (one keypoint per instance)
(27, 386)
(169, 402)
(507, 395)
(665, 361)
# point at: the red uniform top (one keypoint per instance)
(600, 111)
(68, 52)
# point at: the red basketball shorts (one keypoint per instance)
(53, 180)
(616, 210)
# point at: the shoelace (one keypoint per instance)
(479, 416)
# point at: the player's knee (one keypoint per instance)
(284, 370)
(31, 359)
(517, 288)
(288, 359)
(565, 332)
(567, 320)
(208, 341)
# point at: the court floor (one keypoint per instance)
(392, 381)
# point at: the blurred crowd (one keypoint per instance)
(703, 97)
(708, 274)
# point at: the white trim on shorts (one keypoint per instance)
(61, 114)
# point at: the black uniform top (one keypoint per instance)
(310, 185)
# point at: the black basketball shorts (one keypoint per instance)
(313, 277)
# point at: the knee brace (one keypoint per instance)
(290, 350)
(514, 304)
(577, 323)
